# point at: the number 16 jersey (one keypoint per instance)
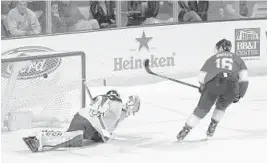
(223, 63)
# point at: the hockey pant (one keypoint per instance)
(219, 91)
(81, 123)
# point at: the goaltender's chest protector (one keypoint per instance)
(110, 107)
(113, 113)
(104, 104)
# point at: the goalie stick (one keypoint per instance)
(88, 91)
(148, 70)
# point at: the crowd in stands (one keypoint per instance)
(22, 18)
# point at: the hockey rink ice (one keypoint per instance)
(149, 136)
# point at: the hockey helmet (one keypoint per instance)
(113, 93)
(225, 44)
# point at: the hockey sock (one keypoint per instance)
(192, 121)
(217, 115)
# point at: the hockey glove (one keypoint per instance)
(201, 88)
(236, 99)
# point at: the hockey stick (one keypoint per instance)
(88, 91)
(148, 70)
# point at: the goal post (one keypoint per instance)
(48, 84)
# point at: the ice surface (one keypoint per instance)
(149, 136)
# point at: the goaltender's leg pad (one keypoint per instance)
(34, 144)
(77, 141)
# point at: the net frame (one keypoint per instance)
(55, 54)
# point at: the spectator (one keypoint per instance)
(228, 10)
(22, 21)
(187, 14)
(152, 9)
(58, 23)
(243, 9)
(200, 7)
(134, 13)
(103, 12)
(42, 20)
(4, 11)
(39, 8)
(165, 10)
(74, 19)
(151, 12)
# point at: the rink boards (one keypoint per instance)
(179, 49)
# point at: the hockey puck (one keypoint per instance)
(45, 76)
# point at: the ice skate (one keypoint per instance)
(183, 133)
(32, 142)
(212, 128)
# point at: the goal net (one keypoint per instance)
(49, 85)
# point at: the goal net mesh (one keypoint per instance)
(49, 85)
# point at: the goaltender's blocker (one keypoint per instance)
(95, 122)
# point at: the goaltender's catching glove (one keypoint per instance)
(132, 106)
(236, 99)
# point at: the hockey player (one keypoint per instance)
(223, 79)
(95, 122)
